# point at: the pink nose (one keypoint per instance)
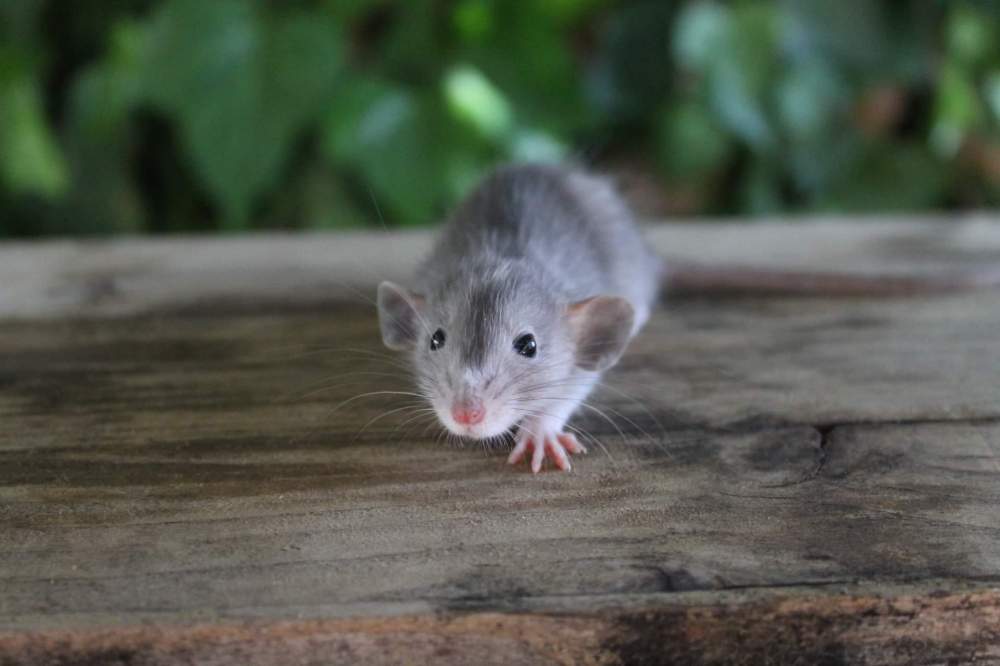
(468, 413)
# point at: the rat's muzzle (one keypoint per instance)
(468, 412)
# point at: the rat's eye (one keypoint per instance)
(437, 340)
(526, 345)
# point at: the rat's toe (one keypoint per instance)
(537, 457)
(558, 454)
(571, 443)
(557, 447)
(520, 448)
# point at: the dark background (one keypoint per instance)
(122, 116)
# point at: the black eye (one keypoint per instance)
(526, 345)
(437, 340)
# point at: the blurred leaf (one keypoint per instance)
(700, 33)
(535, 146)
(971, 34)
(475, 100)
(104, 93)
(98, 138)
(473, 20)
(690, 143)
(809, 97)
(30, 159)
(738, 106)
(300, 62)
(742, 72)
(547, 94)
(405, 146)
(991, 91)
(240, 87)
(957, 109)
(363, 110)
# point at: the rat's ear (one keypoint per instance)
(398, 316)
(602, 326)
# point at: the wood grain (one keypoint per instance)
(134, 276)
(907, 629)
(801, 480)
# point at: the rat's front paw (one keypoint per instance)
(556, 446)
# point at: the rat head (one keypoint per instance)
(498, 348)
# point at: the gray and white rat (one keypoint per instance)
(536, 285)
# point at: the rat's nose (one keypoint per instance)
(468, 413)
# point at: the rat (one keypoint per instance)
(536, 285)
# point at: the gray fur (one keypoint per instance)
(529, 243)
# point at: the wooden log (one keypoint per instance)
(805, 480)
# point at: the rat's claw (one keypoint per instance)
(558, 454)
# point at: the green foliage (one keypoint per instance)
(168, 115)
(32, 163)
(240, 86)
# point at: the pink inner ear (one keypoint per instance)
(416, 301)
(398, 315)
(601, 325)
(577, 308)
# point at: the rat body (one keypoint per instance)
(534, 288)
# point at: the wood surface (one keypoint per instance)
(773, 480)
(63, 278)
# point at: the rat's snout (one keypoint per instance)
(468, 412)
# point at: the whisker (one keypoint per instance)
(381, 416)
(416, 423)
(317, 388)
